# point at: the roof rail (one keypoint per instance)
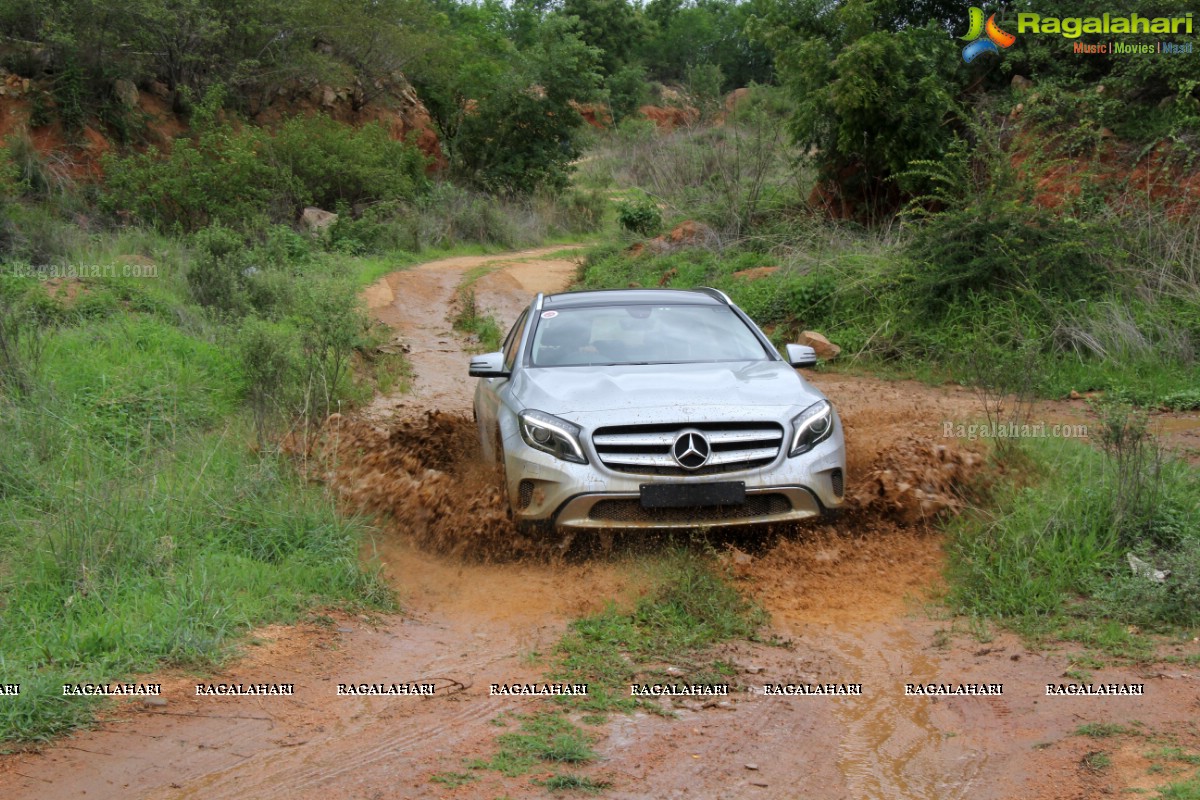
(716, 294)
(537, 303)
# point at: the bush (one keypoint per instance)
(217, 276)
(640, 216)
(36, 234)
(1008, 248)
(239, 177)
(28, 172)
(627, 91)
(267, 352)
(333, 163)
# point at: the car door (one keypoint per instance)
(488, 395)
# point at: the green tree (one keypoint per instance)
(869, 99)
(614, 27)
(627, 90)
(705, 32)
(506, 115)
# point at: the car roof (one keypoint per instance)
(623, 297)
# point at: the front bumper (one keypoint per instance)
(543, 489)
(613, 510)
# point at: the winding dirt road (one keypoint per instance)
(853, 598)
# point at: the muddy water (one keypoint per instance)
(893, 748)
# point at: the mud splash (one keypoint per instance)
(914, 481)
(424, 477)
(425, 480)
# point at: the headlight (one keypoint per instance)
(552, 435)
(812, 426)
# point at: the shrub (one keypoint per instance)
(268, 355)
(334, 163)
(216, 176)
(1011, 249)
(216, 278)
(331, 325)
(581, 211)
(28, 172)
(35, 234)
(640, 216)
(627, 91)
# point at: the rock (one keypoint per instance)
(159, 90)
(1075, 395)
(753, 670)
(826, 350)
(1016, 112)
(396, 346)
(739, 557)
(1144, 569)
(126, 92)
(1168, 101)
(317, 220)
(762, 784)
(328, 97)
(753, 767)
(153, 702)
(1020, 83)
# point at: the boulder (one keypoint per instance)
(1020, 83)
(126, 92)
(316, 220)
(825, 349)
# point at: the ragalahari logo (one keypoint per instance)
(994, 36)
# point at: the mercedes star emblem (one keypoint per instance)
(691, 450)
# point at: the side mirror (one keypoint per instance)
(801, 355)
(488, 365)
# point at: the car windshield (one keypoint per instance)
(643, 334)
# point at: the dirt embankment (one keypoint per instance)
(850, 597)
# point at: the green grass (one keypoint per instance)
(138, 527)
(1048, 556)
(1184, 790)
(453, 780)
(1173, 753)
(549, 737)
(483, 327)
(119, 561)
(1101, 730)
(573, 783)
(690, 609)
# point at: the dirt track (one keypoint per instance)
(852, 597)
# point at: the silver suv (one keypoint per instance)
(654, 408)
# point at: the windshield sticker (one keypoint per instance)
(549, 314)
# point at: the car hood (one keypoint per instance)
(684, 389)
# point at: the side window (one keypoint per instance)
(513, 342)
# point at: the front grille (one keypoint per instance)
(838, 482)
(646, 449)
(756, 505)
